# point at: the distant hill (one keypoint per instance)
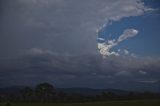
(11, 90)
(83, 91)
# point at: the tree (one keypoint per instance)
(148, 94)
(27, 94)
(131, 95)
(108, 95)
(62, 96)
(45, 92)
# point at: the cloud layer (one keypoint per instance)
(65, 27)
(81, 71)
(55, 41)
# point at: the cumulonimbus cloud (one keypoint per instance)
(63, 26)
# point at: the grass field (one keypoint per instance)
(109, 103)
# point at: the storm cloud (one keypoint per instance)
(56, 41)
(85, 71)
(65, 27)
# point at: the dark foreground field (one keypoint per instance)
(109, 103)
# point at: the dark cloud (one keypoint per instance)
(84, 70)
(59, 25)
(61, 38)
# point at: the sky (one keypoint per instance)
(80, 43)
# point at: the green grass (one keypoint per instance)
(109, 103)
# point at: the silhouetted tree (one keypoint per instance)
(45, 92)
(62, 96)
(108, 95)
(27, 94)
(147, 94)
(130, 95)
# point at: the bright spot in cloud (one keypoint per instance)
(105, 47)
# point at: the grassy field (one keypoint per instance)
(109, 103)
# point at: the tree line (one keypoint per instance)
(46, 92)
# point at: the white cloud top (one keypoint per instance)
(105, 48)
(128, 33)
